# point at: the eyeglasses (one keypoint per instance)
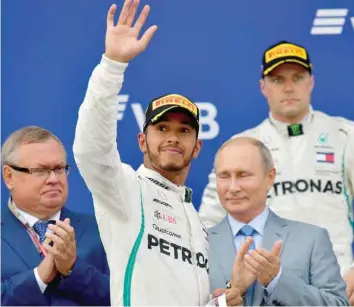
(42, 171)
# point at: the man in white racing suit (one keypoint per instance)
(156, 246)
(312, 151)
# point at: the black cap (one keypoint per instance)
(171, 102)
(285, 52)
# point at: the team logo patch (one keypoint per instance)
(325, 157)
(323, 138)
(165, 217)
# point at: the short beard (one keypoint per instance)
(155, 160)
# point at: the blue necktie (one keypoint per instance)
(40, 228)
(249, 231)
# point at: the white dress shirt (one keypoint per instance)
(258, 224)
(31, 221)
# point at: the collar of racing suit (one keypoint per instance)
(155, 177)
(283, 127)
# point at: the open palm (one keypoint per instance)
(242, 277)
(122, 40)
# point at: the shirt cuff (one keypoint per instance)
(270, 288)
(40, 283)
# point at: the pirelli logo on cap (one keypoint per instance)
(175, 100)
(285, 50)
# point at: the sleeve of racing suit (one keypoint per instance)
(349, 161)
(348, 126)
(348, 165)
(211, 212)
(349, 173)
(95, 145)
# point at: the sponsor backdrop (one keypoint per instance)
(208, 50)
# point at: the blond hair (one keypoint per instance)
(26, 135)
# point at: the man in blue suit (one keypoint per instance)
(278, 261)
(49, 255)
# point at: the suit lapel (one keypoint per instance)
(223, 246)
(275, 229)
(14, 233)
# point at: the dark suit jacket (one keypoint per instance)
(310, 271)
(88, 284)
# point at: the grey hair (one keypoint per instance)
(264, 152)
(26, 135)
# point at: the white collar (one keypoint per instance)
(159, 179)
(283, 127)
(257, 223)
(33, 219)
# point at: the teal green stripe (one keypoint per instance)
(346, 194)
(130, 266)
